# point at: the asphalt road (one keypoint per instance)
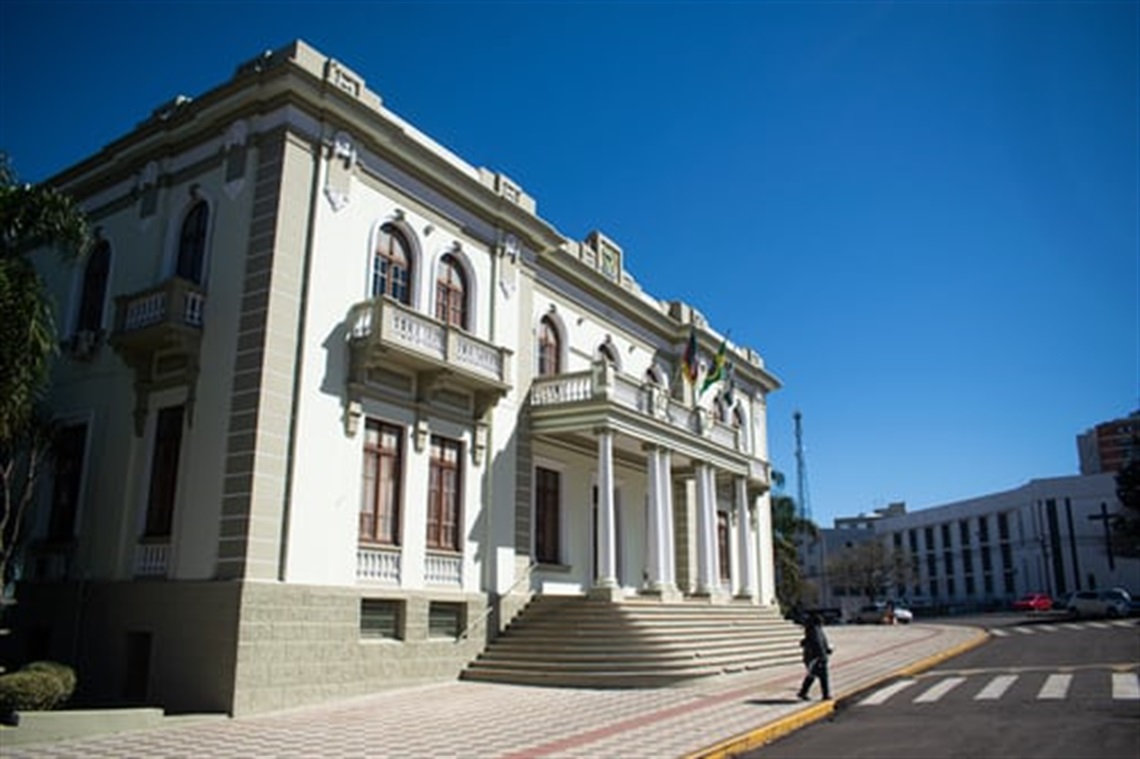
(1041, 687)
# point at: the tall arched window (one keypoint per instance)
(94, 293)
(392, 265)
(549, 348)
(451, 293)
(192, 243)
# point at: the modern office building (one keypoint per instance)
(1108, 446)
(337, 405)
(1050, 535)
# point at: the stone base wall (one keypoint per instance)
(155, 643)
(230, 647)
(302, 645)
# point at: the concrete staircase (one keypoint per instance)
(572, 641)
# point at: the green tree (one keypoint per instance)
(33, 218)
(789, 531)
(1126, 525)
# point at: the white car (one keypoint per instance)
(879, 613)
(1100, 603)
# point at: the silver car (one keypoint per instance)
(1100, 603)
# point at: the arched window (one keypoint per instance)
(94, 293)
(451, 293)
(549, 348)
(192, 243)
(392, 266)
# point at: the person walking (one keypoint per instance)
(815, 650)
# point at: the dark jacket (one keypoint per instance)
(814, 642)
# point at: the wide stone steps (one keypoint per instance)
(579, 642)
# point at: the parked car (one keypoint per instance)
(879, 613)
(1033, 602)
(1101, 603)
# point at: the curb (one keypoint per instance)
(824, 709)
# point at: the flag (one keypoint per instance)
(689, 358)
(716, 372)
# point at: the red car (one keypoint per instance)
(1033, 602)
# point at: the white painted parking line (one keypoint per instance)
(996, 688)
(1126, 686)
(939, 690)
(1055, 687)
(883, 694)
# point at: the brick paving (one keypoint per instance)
(474, 719)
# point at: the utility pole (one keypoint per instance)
(801, 470)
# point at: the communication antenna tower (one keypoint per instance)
(801, 470)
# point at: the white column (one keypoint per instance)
(765, 548)
(707, 580)
(605, 532)
(654, 532)
(668, 536)
(746, 558)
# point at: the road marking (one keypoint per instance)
(1055, 687)
(1047, 628)
(938, 691)
(1125, 686)
(1100, 625)
(996, 688)
(1072, 626)
(999, 633)
(880, 696)
(1024, 630)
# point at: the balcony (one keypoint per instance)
(576, 403)
(385, 333)
(158, 333)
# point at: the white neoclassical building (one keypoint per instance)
(335, 405)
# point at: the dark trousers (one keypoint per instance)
(817, 667)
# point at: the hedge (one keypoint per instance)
(39, 686)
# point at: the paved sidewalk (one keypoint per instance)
(706, 718)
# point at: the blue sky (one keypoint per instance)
(924, 215)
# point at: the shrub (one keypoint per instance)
(29, 691)
(62, 672)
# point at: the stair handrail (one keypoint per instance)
(482, 617)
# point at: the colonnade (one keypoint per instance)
(753, 569)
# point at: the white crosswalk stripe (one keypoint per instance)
(1125, 686)
(1100, 625)
(1047, 628)
(1024, 630)
(996, 688)
(1072, 626)
(883, 694)
(1055, 687)
(939, 690)
(999, 633)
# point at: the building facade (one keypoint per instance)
(1050, 535)
(335, 405)
(1109, 446)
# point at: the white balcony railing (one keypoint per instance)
(443, 569)
(174, 301)
(152, 559)
(378, 565)
(396, 324)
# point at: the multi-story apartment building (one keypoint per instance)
(336, 405)
(1049, 535)
(1108, 446)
